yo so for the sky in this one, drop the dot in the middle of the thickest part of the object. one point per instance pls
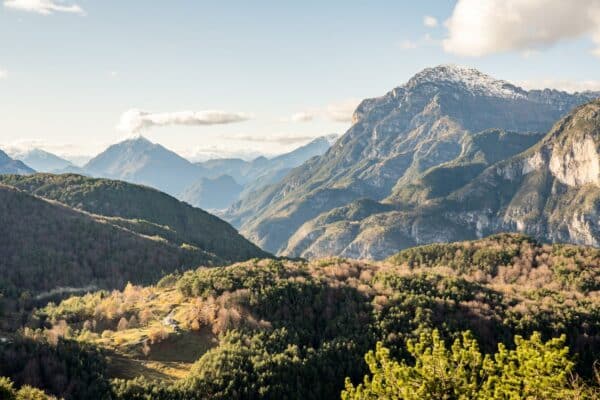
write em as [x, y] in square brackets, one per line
[240, 78]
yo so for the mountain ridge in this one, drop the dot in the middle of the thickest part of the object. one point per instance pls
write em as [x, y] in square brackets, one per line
[393, 138]
[154, 213]
[550, 191]
[10, 166]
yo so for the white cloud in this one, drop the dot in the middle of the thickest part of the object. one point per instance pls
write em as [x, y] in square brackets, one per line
[342, 111]
[133, 121]
[305, 116]
[429, 21]
[338, 112]
[481, 27]
[407, 44]
[3, 73]
[44, 7]
[566, 85]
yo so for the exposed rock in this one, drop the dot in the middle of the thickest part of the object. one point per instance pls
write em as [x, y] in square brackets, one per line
[390, 155]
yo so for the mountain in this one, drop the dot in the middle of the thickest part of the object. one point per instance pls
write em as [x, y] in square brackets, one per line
[140, 161]
[10, 166]
[43, 161]
[143, 210]
[245, 172]
[550, 191]
[227, 180]
[212, 193]
[394, 138]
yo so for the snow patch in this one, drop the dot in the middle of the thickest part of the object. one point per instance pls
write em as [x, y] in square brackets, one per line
[471, 79]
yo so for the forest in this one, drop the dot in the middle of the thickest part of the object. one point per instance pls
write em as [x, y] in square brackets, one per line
[473, 317]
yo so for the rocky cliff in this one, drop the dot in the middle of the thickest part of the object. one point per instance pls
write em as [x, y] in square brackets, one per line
[550, 191]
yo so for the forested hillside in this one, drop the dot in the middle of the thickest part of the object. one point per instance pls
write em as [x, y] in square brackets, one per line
[46, 247]
[293, 329]
[146, 210]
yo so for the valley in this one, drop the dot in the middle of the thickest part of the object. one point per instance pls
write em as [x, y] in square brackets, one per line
[317, 200]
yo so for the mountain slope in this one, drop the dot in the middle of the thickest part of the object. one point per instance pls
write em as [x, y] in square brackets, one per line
[394, 139]
[245, 172]
[141, 161]
[10, 166]
[215, 191]
[550, 191]
[43, 161]
[46, 246]
[212, 193]
[153, 212]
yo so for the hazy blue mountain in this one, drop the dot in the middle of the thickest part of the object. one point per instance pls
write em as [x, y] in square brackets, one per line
[227, 180]
[212, 193]
[140, 161]
[43, 161]
[393, 140]
[10, 166]
[246, 171]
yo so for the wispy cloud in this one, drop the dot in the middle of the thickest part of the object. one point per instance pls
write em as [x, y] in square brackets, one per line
[477, 28]
[44, 7]
[424, 41]
[429, 21]
[280, 139]
[134, 121]
[407, 44]
[304, 116]
[342, 111]
[566, 85]
[338, 112]
[21, 146]
[3, 73]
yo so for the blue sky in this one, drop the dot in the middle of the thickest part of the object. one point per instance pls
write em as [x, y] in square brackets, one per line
[69, 76]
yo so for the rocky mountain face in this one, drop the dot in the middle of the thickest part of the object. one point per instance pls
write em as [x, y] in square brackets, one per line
[10, 166]
[550, 191]
[353, 200]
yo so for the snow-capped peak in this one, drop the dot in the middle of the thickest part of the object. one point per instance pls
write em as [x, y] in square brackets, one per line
[470, 78]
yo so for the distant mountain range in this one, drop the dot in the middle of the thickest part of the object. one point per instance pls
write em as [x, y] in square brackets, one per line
[422, 142]
[235, 177]
[72, 231]
[213, 184]
[43, 161]
[11, 166]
